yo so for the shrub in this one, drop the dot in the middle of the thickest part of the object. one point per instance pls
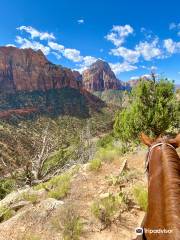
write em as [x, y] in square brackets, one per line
[6, 213]
[125, 177]
[6, 186]
[95, 164]
[108, 154]
[141, 196]
[106, 208]
[69, 223]
[31, 197]
[59, 186]
[40, 186]
[105, 141]
[153, 109]
[58, 158]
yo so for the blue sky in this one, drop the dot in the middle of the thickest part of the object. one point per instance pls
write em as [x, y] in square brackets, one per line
[135, 37]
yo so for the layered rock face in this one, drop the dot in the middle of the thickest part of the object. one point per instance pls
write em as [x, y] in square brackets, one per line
[100, 77]
[30, 84]
[27, 70]
[78, 77]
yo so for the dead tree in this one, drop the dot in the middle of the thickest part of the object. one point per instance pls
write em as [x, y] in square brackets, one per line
[86, 147]
[44, 147]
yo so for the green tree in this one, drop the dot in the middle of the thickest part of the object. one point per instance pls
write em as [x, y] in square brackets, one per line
[153, 109]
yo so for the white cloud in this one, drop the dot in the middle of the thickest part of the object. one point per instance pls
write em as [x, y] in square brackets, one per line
[80, 21]
[36, 34]
[56, 46]
[57, 55]
[58, 50]
[72, 54]
[142, 29]
[128, 55]
[143, 66]
[149, 50]
[151, 68]
[172, 26]
[26, 43]
[118, 34]
[171, 46]
[134, 77]
[175, 27]
[10, 45]
[148, 34]
[87, 61]
[69, 53]
[122, 67]
[147, 76]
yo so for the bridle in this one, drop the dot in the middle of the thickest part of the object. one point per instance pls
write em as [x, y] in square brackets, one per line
[148, 156]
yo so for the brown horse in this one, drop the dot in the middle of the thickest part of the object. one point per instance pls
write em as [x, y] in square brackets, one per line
[162, 221]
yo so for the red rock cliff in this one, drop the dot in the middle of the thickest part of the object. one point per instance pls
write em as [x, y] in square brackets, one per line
[28, 70]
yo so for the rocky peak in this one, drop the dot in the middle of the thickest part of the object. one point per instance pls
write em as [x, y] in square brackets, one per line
[100, 64]
[100, 77]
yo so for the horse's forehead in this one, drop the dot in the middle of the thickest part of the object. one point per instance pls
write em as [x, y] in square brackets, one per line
[154, 151]
[163, 139]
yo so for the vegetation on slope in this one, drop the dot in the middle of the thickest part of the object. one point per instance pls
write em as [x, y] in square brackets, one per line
[117, 98]
[53, 102]
[33, 150]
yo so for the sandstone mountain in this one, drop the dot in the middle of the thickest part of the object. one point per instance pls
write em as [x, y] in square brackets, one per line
[29, 83]
[100, 77]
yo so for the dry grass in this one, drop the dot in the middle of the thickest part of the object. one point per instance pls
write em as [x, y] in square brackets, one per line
[68, 222]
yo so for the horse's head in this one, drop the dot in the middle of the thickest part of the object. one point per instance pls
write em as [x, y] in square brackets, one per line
[154, 146]
[175, 142]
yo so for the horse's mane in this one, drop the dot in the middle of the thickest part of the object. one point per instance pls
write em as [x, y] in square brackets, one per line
[171, 174]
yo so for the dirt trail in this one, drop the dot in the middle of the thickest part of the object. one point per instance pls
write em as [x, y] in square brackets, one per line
[88, 186]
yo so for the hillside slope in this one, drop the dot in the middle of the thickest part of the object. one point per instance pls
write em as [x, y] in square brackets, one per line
[22, 139]
[41, 219]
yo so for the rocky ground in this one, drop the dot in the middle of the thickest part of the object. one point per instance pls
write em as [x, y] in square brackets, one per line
[37, 219]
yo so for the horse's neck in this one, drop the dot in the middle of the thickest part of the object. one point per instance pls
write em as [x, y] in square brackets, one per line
[158, 215]
[156, 203]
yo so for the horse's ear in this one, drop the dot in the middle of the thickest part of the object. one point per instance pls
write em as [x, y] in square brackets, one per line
[176, 141]
[146, 140]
